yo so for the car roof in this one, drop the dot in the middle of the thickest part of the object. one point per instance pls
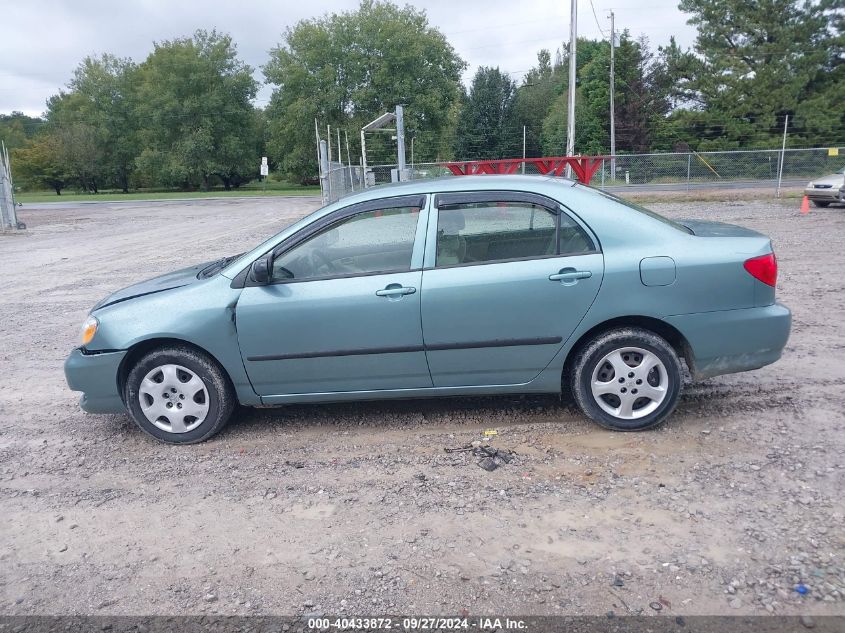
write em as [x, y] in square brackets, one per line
[462, 183]
[602, 214]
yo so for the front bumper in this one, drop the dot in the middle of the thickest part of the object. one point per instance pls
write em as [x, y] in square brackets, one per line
[95, 375]
[834, 194]
[729, 341]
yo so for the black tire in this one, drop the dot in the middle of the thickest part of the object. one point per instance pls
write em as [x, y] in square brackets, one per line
[821, 203]
[221, 399]
[590, 355]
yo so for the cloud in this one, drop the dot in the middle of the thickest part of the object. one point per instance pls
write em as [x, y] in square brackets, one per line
[44, 40]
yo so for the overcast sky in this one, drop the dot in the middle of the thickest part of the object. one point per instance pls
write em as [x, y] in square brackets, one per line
[44, 40]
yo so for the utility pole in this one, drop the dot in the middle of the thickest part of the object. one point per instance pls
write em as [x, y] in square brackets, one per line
[329, 140]
[523, 149]
[782, 153]
[329, 158]
[339, 149]
[570, 122]
[349, 161]
[363, 160]
[400, 140]
[612, 109]
[319, 158]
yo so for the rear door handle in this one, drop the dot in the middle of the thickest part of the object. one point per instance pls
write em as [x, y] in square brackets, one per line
[395, 290]
[570, 275]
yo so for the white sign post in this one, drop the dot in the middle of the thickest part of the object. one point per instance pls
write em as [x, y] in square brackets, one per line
[265, 171]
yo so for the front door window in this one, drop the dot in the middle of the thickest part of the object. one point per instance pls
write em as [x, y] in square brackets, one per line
[380, 241]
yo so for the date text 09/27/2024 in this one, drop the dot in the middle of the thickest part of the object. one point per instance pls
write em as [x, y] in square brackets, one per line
[417, 623]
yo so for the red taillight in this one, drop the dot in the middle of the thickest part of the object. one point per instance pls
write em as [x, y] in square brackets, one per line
[764, 268]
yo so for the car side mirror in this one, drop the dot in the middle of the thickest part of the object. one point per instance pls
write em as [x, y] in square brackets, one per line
[261, 269]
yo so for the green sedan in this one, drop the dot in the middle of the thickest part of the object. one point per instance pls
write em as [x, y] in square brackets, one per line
[457, 286]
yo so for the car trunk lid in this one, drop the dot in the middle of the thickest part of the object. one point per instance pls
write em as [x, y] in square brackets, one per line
[708, 228]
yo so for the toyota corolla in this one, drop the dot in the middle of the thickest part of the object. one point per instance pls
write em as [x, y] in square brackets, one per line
[457, 286]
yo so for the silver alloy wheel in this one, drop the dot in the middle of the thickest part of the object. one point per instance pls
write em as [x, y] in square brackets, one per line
[629, 383]
[173, 398]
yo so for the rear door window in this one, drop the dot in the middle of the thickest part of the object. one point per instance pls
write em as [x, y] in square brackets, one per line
[484, 232]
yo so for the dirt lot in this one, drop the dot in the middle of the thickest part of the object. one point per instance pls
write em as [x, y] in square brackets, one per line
[358, 509]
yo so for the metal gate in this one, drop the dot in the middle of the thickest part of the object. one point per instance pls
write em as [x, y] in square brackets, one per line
[8, 216]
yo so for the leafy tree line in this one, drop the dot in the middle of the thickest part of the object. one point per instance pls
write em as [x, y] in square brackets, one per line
[184, 117]
[497, 108]
[752, 64]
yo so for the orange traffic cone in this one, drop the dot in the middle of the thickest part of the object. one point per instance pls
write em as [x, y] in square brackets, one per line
[805, 205]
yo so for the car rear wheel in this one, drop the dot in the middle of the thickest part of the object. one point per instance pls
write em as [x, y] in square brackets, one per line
[821, 203]
[627, 379]
[179, 395]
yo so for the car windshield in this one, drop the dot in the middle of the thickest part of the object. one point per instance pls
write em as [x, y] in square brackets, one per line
[644, 211]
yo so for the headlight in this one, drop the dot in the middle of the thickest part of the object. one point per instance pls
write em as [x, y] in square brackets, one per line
[89, 329]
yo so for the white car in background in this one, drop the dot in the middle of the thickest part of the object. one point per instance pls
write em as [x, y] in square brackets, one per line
[827, 189]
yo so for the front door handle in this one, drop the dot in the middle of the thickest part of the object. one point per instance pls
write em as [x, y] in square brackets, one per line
[569, 276]
[395, 290]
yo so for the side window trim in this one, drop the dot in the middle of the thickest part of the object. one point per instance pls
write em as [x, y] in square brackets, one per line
[347, 212]
[442, 200]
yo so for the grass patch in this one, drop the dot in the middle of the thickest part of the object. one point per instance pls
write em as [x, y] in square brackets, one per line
[273, 189]
[709, 195]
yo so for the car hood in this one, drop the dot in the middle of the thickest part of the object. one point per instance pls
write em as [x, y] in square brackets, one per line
[708, 228]
[831, 179]
[168, 281]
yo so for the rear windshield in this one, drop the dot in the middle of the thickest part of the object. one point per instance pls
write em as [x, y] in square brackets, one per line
[644, 211]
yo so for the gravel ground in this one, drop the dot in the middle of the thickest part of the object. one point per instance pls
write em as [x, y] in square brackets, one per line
[357, 509]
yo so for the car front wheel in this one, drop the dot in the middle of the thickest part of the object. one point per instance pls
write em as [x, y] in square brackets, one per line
[179, 395]
[821, 203]
[627, 379]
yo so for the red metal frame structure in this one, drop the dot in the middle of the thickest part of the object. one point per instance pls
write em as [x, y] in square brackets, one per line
[584, 167]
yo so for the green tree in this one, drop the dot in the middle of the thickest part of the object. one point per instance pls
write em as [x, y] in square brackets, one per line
[37, 165]
[641, 99]
[642, 89]
[80, 151]
[590, 137]
[105, 87]
[487, 127]
[77, 141]
[755, 62]
[346, 69]
[93, 123]
[534, 99]
[16, 129]
[195, 114]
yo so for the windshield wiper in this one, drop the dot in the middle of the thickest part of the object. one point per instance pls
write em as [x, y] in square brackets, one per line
[216, 267]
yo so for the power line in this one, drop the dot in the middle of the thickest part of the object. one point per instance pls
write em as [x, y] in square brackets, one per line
[596, 18]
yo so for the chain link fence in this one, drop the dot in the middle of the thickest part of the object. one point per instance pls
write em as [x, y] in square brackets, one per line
[341, 180]
[677, 170]
[753, 166]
